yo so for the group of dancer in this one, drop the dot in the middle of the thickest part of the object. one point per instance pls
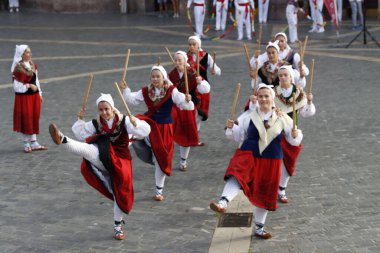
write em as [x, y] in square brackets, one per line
[177, 103]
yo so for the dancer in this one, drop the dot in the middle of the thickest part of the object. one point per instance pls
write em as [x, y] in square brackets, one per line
[256, 165]
[287, 54]
[185, 124]
[28, 98]
[268, 71]
[305, 107]
[160, 96]
[107, 162]
[205, 62]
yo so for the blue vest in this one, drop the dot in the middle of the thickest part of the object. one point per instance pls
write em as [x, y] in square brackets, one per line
[273, 150]
[164, 114]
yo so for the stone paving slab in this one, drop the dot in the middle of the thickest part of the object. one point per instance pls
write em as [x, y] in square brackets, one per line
[46, 206]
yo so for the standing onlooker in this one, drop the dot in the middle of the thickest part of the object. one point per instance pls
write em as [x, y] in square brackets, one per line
[14, 6]
[291, 16]
[163, 8]
[28, 99]
[339, 7]
[243, 17]
[175, 8]
[263, 11]
[356, 8]
[316, 7]
[221, 9]
[199, 15]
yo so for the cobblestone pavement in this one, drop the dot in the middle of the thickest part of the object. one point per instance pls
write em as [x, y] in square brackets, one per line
[46, 206]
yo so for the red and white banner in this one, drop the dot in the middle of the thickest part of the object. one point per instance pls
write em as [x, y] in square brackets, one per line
[331, 7]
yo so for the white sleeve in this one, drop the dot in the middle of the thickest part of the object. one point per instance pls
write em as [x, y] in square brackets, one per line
[189, 3]
[83, 130]
[133, 98]
[203, 87]
[289, 138]
[38, 83]
[211, 63]
[214, 2]
[239, 132]
[308, 110]
[141, 130]
[253, 106]
[20, 87]
[296, 61]
[180, 101]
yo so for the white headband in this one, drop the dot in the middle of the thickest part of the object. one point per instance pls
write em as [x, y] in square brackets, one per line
[163, 72]
[265, 86]
[183, 53]
[19, 51]
[290, 69]
[197, 39]
[274, 44]
[281, 34]
[105, 98]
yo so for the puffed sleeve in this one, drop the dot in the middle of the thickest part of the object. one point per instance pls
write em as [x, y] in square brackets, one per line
[210, 61]
[83, 130]
[20, 87]
[308, 110]
[203, 87]
[180, 101]
[141, 130]
[133, 98]
[288, 132]
[239, 132]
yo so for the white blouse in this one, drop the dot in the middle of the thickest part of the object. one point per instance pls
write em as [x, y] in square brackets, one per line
[83, 130]
[135, 98]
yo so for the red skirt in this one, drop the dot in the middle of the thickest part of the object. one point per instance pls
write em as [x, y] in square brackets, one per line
[205, 104]
[258, 177]
[161, 141]
[26, 113]
[122, 181]
[291, 154]
[185, 127]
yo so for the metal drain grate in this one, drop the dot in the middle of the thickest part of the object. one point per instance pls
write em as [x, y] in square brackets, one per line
[235, 220]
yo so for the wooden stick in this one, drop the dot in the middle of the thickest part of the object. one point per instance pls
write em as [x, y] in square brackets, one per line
[259, 38]
[255, 78]
[170, 54]
[85, 98]
[294, 111]
[301, 59]
[311, 76]
[213, 65]
[126, 64]
[186, 80]
[247, 56]
[237, 91]
[304, 47]
[125, 104]
[158, 60]
[197, 62]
